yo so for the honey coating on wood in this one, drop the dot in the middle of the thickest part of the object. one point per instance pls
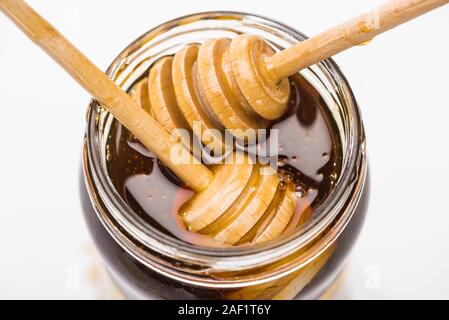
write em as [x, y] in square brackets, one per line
[309, 165]
[221, 85]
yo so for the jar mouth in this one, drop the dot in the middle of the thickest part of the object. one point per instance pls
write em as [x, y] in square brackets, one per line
[125, 223]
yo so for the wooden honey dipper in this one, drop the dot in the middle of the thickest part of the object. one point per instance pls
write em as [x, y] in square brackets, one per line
[242, 83]
[235, 202]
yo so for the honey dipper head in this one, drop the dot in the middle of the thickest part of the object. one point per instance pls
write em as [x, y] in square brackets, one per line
[224, 84]
[221, 84]
[265, 96]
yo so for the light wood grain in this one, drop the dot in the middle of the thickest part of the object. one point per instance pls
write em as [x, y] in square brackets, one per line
[278, 220]
[267, 98]
[115, 100]
[139, 93]
[356, 31]
[163, 98]
[221, 91]
[189, 100]
[250, 207]
[229, 183]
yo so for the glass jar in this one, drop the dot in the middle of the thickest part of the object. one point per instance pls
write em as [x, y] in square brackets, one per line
[146, 263]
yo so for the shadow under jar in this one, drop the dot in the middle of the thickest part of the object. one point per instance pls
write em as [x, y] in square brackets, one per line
[149, 257]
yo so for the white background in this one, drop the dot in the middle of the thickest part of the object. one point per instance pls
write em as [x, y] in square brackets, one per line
[401, 81]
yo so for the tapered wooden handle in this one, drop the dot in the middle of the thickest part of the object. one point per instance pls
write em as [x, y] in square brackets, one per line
[358, 30]
[109, 95]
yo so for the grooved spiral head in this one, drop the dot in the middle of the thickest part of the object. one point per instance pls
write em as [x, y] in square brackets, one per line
[223, 84]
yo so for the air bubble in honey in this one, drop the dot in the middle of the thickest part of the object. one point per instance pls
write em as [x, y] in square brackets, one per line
[333, 176]
[108, 153]
[282, 161]
[299, 192]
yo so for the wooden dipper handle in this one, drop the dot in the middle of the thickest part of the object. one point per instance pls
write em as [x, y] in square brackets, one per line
[118, 102]
[353, 32]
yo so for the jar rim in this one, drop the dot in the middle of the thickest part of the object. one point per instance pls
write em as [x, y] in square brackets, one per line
[230, 258]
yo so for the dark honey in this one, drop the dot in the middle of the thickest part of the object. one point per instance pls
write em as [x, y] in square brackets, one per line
[310, 156]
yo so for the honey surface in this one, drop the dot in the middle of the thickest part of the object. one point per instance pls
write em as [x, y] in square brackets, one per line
[309, 155]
